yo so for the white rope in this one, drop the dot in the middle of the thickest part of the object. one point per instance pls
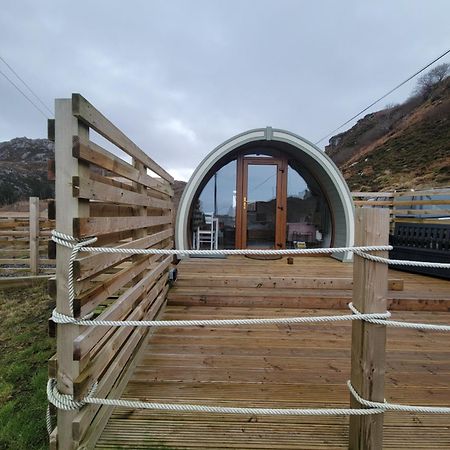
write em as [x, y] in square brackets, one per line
[48, 419]
[397, 324]
[66, 402]
[83, 245]
[401, 262]
[396, 406]
[62, 318]
[70, 242]
[76, 247]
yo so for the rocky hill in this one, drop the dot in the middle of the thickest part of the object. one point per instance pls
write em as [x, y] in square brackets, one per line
[23, 172]
[23, 169]
[402, 146]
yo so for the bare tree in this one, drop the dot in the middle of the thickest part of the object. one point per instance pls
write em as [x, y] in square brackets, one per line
[427, 81]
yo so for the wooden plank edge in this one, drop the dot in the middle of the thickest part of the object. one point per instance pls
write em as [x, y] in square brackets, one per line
[9, 282]
[82, 109]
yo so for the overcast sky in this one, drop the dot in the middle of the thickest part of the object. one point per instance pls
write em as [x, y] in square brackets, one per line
[180, 77]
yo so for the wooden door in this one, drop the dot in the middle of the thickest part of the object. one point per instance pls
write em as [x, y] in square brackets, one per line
[261, 202]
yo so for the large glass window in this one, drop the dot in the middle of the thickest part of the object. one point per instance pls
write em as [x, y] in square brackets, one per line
[308, 221]
[216, 200]
[304, 221]
[261, 206]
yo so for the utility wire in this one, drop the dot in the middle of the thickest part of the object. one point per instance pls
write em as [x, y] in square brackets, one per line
[384, 96]
[263, 182]
[26, 85]
[25, 95]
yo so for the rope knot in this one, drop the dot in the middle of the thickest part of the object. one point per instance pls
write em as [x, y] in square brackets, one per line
[71, 242]
[378, 318]
[66, 401]
[363, 401]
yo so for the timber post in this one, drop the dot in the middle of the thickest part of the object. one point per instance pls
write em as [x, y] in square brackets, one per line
[68, 127]
[370, 284]
[34, 235]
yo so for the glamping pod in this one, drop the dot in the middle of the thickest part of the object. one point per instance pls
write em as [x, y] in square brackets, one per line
[266, 188]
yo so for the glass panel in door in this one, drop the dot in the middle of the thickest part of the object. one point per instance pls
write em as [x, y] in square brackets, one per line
[261, 205]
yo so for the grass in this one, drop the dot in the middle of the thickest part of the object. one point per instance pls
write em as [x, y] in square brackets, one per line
[421, 151]
[24, 351]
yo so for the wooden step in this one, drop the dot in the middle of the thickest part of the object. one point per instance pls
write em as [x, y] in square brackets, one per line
[271, 281]
[298, 298]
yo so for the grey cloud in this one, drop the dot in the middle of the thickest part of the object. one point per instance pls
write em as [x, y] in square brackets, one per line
[179, 77]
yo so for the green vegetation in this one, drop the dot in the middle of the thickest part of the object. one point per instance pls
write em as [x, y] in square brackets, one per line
[419, 153]
[24, 351]
[402, 146]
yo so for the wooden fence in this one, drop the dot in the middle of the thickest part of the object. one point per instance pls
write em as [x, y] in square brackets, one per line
[422, 206]
[23, 241]
[124, 205]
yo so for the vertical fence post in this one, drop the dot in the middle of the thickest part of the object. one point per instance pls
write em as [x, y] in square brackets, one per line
[67, 128]
[34, 235]
[370, 280]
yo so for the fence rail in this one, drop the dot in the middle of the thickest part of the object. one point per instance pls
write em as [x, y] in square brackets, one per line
[124, 204]
[24, 240]
[430, 206]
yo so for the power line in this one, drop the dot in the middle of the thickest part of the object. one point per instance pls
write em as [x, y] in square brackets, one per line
[264, 182]
[25, 95]
[26, 85]
[384, 96]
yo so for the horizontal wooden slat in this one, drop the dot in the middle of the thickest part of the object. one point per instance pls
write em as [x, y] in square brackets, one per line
[272, 282]
[88, 301]
[373, 194]
[430, 192]
[86, 341]
[373, 202]
[100, 209]
[419, 212]
[102, 158]
[8, 253]
[88, 114]
[14, 214]
[14, 260]
[14, 233]
[93, 226]
[10, 282]
[422, 220]
[112, 181]
[107, 354]
[110, 386]
[421, 202]
[94, 190]
[89, 265]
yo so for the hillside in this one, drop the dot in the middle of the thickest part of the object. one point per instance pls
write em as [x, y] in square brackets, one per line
[23, 172]
[403, 146]
[23, 169]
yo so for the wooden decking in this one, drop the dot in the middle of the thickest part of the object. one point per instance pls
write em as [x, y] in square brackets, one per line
[280, 366]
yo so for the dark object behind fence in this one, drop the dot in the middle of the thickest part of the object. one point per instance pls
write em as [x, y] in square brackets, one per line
[421, 242]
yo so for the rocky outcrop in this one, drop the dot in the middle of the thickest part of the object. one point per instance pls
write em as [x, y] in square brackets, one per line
[402, 146]
[23, 169]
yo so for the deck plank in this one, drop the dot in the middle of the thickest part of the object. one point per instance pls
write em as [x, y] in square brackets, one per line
[280, 366]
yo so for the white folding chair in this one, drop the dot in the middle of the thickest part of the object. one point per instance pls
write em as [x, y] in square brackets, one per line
[208, 233]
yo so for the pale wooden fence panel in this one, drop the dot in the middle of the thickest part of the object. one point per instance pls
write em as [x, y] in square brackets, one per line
[24, 240]
[419, 206]
[123, 206]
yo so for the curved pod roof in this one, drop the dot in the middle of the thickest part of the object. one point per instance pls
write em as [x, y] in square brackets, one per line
[316, 162]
